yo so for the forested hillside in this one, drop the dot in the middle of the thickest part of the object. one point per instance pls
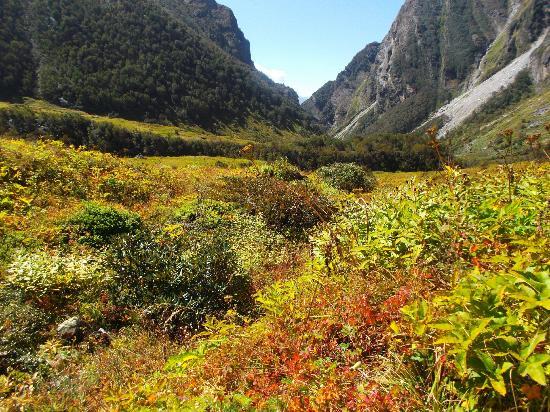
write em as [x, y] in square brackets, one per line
[215, 21]
[17, 66]
[136, 60]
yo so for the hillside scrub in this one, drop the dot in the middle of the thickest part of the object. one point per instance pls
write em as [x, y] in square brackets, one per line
[37, 119]
[251, 292]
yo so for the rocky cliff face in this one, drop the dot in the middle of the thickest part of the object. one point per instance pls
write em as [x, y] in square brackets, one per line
[214, 21]
[435, 51]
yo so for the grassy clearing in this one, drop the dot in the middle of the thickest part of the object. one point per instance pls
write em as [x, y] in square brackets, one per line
[193, 162]
[158, 129]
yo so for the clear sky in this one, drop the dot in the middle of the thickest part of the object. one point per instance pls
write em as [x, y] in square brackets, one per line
[305, 43]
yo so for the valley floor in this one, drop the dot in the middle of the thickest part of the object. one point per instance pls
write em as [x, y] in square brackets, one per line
[206, 283]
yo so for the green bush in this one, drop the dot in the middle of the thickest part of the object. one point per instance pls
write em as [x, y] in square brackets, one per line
[54, 277]
[177, 281]
[493, 327]
[204, 214]
[282, 169]
[22, 329]
[348, 177]
[253, 242]
[97, 225]
[288, 207]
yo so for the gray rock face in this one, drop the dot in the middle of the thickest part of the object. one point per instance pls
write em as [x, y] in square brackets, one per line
[435, 51]
[214, 21]
[70, 329]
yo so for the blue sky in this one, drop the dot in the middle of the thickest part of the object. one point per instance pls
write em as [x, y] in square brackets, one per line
[305, 43]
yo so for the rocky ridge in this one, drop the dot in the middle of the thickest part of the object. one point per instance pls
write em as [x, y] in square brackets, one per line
[435, 51]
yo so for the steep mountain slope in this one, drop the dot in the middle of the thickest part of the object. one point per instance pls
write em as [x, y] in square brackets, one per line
[141, 59]
[435, 51]
[214, 21]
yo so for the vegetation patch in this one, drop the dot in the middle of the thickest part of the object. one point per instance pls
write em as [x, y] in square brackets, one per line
[348, 177]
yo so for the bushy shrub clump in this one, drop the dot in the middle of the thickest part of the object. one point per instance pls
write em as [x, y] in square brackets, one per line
[96, 225]
[205, 214]
[288, 207]
[348, 177]
[54, 276]
[177, 281]
[22, 328]
[282, 169]
[254, 243]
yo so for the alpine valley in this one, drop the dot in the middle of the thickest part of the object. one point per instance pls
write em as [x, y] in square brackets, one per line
[179, 233]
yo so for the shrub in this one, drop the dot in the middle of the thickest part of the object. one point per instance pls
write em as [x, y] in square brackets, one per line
[254, 244]
[204, 214]
[492, 328]
[22, 328]
[55, 277]
[289, 207]
[177, 280]
[96, 225]
[282, 169]
[348, 177]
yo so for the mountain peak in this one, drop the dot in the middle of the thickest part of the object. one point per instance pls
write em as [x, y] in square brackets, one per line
[435, 51]
[214, 21]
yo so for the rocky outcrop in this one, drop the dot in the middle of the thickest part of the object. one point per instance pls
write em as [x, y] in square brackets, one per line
[332, 102]
[214, 21]
[435, 51]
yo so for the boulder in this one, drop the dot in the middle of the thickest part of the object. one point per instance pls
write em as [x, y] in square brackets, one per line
[71, 329]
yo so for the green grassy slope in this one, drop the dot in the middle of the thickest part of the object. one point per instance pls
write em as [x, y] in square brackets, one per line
[479, 142]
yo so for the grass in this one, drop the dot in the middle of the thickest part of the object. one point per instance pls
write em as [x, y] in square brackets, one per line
[196, 162]
[255, 131]
[158, 129]
[494, 55]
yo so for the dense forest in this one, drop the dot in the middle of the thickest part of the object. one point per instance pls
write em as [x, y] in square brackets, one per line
[17, 71]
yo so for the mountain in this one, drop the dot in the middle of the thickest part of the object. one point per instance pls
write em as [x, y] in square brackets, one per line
[436, 51]
[214, 21]
[163, 60]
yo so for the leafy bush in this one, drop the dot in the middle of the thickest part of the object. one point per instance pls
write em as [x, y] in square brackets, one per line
[254, 243]
[492, 327]
[348, 177]
[289, 207]
[96, 225]
[412, 226]
[204, 214]
[22, 328]
[177, 280]
[54, 277]
[282, 169]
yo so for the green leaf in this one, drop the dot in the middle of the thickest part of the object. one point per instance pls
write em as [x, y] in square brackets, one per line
[528, 349]
[461, 362]
[448, 339]
[534, 368]
[498, 385]
[442, 326]
[487, 361]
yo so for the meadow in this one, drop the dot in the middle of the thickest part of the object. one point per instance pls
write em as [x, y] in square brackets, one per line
[227, 284]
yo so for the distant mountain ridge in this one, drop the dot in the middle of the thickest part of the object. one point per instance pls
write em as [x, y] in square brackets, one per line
[160, 60]
[436, 50]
